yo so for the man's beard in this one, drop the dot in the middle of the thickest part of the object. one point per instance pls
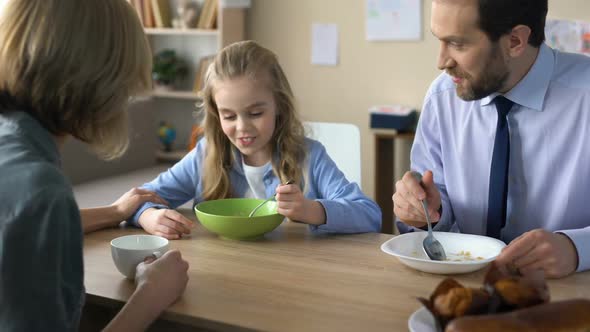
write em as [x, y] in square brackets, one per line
[491, 80]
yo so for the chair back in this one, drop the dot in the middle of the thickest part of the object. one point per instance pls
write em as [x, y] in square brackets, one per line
[343, 144]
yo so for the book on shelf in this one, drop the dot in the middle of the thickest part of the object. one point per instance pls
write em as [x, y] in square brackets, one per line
[201, 71]
[162, 16]
[202, 15]
[138, 6]
[212, 18]
[208, 16]
[148, 14]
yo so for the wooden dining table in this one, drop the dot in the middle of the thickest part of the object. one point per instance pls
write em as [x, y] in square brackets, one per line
[290, 280]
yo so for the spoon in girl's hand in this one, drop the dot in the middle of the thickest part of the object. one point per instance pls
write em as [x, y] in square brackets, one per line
[266, 200]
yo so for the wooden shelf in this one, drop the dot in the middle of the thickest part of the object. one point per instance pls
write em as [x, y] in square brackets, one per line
[189, 95]
[172, 156]
[180, 32]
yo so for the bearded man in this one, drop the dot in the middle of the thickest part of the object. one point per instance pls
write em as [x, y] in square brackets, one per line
[502, 140]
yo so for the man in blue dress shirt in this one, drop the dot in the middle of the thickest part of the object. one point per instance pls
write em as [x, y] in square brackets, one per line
[490, 48]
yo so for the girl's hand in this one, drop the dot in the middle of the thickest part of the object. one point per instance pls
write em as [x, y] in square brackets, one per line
[292, 204]
[165, 222]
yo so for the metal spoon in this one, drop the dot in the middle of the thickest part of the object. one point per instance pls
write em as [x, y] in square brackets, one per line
[431, 246]
[267, 200]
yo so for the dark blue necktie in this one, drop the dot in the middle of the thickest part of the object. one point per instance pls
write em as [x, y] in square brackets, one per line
[499, 171]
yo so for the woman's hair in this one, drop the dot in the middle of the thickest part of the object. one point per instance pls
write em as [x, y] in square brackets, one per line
[73, 65]
[241, 59]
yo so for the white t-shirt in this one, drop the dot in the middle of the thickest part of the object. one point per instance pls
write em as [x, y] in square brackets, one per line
[255, 177]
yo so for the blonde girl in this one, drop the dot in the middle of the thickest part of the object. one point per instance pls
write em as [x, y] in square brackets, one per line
[254, 142]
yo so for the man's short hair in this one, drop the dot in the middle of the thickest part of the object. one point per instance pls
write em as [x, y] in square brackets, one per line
[498, 17]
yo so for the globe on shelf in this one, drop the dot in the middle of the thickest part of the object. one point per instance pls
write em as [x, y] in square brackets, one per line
[167, 135]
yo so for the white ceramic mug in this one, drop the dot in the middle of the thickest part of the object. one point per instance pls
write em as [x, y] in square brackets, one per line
[130, 250]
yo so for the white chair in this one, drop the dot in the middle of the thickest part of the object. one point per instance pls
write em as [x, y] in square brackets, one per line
[343, 144]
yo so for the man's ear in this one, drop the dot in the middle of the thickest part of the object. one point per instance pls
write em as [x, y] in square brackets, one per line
[519, 39]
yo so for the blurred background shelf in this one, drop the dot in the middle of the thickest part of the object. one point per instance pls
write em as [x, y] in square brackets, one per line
[194, 41]
[188, 95]
[171, 156]
[180, 32]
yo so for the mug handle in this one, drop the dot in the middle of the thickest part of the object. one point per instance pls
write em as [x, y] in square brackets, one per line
[155, 255]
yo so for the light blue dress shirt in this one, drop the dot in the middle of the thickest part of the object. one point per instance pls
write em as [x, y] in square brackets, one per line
[348, 210]
[549, 172]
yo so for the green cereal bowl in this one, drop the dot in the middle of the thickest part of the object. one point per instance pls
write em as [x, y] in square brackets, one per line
[228, 218]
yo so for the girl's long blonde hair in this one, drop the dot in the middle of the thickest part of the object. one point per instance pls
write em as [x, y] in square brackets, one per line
[247, 58]
[73, 66]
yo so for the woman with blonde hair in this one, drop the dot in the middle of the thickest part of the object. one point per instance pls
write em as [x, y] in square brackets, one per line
[254, 143]
[67, 68]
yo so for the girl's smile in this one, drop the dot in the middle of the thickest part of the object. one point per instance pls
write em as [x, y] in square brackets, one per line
[246, 141]
[247, 114]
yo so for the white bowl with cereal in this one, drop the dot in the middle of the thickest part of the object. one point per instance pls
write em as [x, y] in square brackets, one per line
[465, 252]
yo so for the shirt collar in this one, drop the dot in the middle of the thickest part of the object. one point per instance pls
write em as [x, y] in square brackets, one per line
[239, 162]
[29, 127]
[531, 90]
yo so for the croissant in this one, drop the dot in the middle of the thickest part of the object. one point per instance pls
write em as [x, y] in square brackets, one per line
[510, 290]
[451, 300]
[568, 315]
[504, 290]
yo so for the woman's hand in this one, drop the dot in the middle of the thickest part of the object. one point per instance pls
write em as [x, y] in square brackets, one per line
[165, 222]
[163, 279]
[127, 204]
[109, 216]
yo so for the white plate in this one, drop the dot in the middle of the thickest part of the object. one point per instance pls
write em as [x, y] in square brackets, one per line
[465, 252]
[422, 321]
